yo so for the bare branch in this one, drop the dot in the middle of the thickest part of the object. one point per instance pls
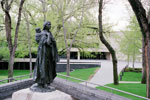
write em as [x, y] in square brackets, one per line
[2, 5]
[18, 24]
[77, 29]
[9, 5]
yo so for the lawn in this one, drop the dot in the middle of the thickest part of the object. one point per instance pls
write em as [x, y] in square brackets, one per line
[132, 76]
[83, 74]
[4, 74]
[135, 88]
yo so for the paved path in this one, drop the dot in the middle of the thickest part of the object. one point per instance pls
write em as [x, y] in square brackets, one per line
[105, 74]
[129, 82]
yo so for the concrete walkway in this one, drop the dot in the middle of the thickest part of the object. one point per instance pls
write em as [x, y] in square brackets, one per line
[105, 74]
[129, 82]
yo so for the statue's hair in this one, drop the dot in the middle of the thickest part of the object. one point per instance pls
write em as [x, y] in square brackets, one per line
[45, 23]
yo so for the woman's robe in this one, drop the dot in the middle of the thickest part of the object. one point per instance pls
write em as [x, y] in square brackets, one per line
[47, 56]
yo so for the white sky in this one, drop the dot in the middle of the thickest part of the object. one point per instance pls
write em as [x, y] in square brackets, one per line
[116, 11]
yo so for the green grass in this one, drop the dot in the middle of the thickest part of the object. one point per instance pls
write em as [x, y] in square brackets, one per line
[4, 74]
[132, 76]
[83, 74]
[135, 88]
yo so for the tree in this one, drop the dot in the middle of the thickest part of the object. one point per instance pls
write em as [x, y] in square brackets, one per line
[109, 47]
[71, 43]
[147, 7]
[130, 44]
[29, 40]
[145, 30]
[44, 9]
[68, 14]
[6, 6]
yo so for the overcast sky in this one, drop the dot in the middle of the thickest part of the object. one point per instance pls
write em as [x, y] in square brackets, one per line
[117, 13]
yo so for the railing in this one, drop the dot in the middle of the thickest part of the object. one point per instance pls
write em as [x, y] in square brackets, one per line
[15, 78]
[122, 72]
[86, 83]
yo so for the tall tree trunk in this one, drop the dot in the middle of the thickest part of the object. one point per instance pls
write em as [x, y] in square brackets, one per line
[69, 47]
[143, 81]
[10, 67]
[29, 41]
[147, 71]
[12, 47]
[44, 9]
[128, 59]
[109, 47]
[133, 60]
[68, 62]
[144, 25]
[148, 56]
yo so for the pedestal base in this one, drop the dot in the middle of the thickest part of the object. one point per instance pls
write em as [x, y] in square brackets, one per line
[36, 88]
[27, 94]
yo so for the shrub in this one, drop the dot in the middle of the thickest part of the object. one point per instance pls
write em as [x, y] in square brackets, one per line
[4, 53]
[133, 69]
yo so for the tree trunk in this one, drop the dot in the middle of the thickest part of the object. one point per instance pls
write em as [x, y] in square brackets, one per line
[68, 62]
[30, 60]
[148, 67]
[143, 81]
[133, 60]
[69, 47]
[44, 9]
[12, 47]
[144, 25]
[10, 67]
[29, 41]
[109, 47]
[128, 59]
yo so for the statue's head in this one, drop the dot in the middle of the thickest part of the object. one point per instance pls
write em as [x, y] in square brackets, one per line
[38, 30]
[47, 25]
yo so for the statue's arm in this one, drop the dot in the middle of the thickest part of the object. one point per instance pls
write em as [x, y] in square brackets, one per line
[49, 42]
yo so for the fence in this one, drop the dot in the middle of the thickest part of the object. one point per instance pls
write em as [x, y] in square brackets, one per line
[15, 78]
[122, 72]
[113, 89]
[86, 83]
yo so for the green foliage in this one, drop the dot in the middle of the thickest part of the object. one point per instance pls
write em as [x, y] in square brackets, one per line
[88, 54]
[133, 69]
[4, 53]
[56, 11]
[131, 42]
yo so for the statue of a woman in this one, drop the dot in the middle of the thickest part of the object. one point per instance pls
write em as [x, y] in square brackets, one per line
[47, 56]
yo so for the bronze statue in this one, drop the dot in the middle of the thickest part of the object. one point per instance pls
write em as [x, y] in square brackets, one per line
[47, 56]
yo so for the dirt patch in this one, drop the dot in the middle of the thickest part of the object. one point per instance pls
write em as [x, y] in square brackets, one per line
[91, 76]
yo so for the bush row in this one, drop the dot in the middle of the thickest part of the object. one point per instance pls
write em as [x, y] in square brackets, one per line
[133, 69]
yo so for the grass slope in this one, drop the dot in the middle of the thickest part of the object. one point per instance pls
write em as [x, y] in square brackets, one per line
[84, 74]
[4, 73]
[132, 76]
[139, 89]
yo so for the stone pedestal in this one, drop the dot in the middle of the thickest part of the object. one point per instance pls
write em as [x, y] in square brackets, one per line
[27, 94]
